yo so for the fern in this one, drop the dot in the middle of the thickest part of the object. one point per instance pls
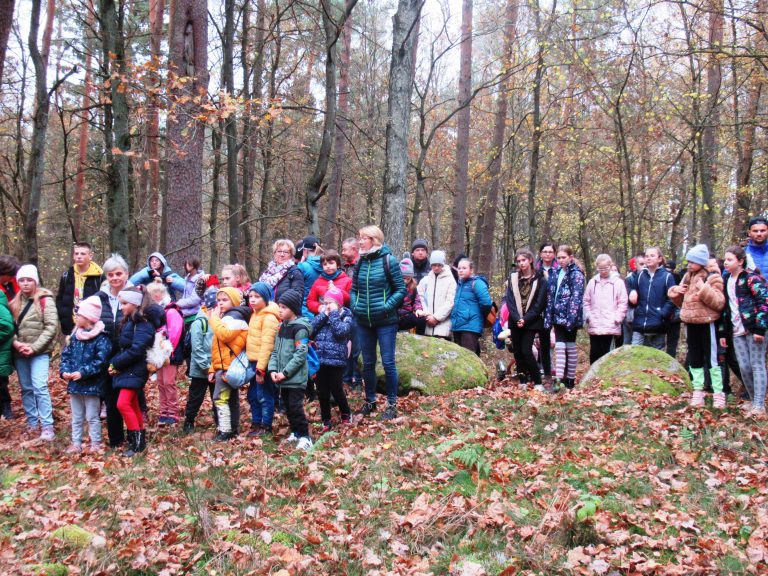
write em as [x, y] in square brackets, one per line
[473, 456]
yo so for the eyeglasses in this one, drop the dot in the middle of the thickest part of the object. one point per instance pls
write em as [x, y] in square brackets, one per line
[282, 251]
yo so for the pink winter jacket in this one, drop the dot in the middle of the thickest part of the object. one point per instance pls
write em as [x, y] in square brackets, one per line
[605, 305]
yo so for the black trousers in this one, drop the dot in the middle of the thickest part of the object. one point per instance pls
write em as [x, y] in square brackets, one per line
[600, 345]
[412, 321]
[468, 340]
[5, 395]
[545, 351]
[196, 397]
[293, 399]
[522, 344]
[329, 381]
[673, 338]
[115, 426]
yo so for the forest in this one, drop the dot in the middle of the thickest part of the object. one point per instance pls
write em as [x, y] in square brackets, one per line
[213, 128]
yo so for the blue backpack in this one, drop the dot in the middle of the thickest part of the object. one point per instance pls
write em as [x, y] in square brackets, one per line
[313, 360]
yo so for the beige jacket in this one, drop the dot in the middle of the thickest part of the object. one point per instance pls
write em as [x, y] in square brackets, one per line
[705, 298]
[437, 294]
[40, 324]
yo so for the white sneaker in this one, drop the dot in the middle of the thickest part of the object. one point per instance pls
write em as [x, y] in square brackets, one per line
[48, 435]
[292, 439]
[539, 388]
[305, 443]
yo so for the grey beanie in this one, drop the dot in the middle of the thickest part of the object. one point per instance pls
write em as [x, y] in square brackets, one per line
[699, 254]
[437, 257]
[419, 243]
[406, 267]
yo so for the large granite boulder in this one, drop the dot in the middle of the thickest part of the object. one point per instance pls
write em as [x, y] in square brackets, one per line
[433, 366]
[640, 368]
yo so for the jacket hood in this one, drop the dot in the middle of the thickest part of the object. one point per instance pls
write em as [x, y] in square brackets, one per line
[271, 308]
[314, 262]
[333, 276]
[162, 259]
[242, 312]
[155, 315]
[93, 270]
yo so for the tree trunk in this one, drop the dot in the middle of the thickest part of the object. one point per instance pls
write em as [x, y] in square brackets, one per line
[393, 213]
[50, 16]
[459, 216]
[82, 149]
[536, 136]
[188, 59]
[247, 153]
[6, 23]
[151, 172]
[213, 216]
[331, 230]
[230, 131]
[483, 251]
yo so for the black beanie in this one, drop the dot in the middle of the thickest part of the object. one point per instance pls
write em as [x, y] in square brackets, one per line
[293, 300]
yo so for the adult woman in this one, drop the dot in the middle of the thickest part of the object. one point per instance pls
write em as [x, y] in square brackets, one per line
[605, 305]
[281, 273]
[548, 266]
[564, 313]
[377, 292]
[746, 319]
[470, 306]
[37, 322]
[526, 300]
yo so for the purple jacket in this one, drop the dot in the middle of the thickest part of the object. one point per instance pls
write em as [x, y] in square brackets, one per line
[190, 302]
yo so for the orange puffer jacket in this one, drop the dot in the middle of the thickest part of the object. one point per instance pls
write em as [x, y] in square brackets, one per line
[262, 330]
[704, 300]
[229, 337]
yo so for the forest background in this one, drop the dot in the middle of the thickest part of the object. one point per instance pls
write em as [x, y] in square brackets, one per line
[213, 128]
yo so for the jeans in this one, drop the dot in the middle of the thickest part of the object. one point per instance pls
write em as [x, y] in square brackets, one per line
[751, 357]
[261, 397]
[658, 341]
[352, 374]
[385, 336]
[85, 409]
[35, 397]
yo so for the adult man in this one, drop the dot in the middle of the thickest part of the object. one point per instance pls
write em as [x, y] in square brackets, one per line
[419, 253]
[653, 308]
[83, 279]
[350, 252]
[757, 247]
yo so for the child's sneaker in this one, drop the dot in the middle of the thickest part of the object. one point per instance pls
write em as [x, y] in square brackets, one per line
[697, 400]
[390, 413]
[367, 409]
[255, 432]
[47, 435]
[74, 449]
[304, 443]
[96, 448]
[757, 412]
[718, 400]
[292, 439]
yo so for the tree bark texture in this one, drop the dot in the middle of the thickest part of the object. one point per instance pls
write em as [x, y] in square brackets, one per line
[84, 129]
[6, 23]
[188, 60]
[393, 212]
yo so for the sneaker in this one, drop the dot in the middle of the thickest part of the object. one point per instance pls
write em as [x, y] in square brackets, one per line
[74, 449]
[757, 412]
[367, 409]
[327, 426]
[746, 405]
[390, 413]
[47, 435]
[188, 428]
[292, 439]
[224, 436]
[539, 387]
[96, 448]
[255, 431]
[718, 401]
[304, 443]
[697, 400]
[346, 418]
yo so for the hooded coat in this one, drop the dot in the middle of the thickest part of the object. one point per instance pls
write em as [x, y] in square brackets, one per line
[87, 352]
[190, 301]
[145, 276]
[376, 294]
[437, 294]
[65, 297]
[331, 333]
[705, 299]
[290, 354]
[565, 301]
[230, 333]
[471, 305]
[320, 287]
[40, 324]
[605, 305]
[311, 269]
[136, 337]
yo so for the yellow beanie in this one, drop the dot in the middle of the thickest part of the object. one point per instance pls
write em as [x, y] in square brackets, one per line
[234, 294]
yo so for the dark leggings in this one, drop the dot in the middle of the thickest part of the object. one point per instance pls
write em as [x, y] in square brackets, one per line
[293, 400]
[5, 395]
[522, 344]
[329, 381]
[545, 351]
[599, 346]
[468, 340]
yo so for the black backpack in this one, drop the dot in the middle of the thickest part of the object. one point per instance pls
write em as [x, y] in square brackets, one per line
[187, 346]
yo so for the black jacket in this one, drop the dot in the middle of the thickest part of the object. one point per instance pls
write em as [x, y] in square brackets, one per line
[131, 359]
[534, 315]
[65, 297]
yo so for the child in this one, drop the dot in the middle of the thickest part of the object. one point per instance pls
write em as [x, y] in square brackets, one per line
[745, 318]
[37, 321]
[229, 322]
[700, 298]
[261, 341]
[472, 303]
[288, 365]
[128, 367]
[331, 330]
[166, 375]
[330, 276]
[201, 338]
[407, 318]
[84, 363]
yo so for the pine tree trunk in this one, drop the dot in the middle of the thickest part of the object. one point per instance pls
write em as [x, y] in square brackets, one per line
[230, 132]
[84, 129]
[6, 23]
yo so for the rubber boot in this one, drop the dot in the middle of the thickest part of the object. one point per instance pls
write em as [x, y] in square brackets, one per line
[141, 440]
[131, 444]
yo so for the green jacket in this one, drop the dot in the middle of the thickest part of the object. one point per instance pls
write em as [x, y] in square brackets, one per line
[40, 324]
[6, 337]
[290, 353]
[376, 294]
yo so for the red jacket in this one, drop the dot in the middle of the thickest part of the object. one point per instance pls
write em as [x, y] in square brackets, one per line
[320, 287]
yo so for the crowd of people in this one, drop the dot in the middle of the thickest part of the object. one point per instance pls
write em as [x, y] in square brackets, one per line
[299, 330]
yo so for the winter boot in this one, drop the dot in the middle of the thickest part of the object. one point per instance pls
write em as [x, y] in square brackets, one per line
[131, 443]
[697, 400]
[225, 422]
[141, 440]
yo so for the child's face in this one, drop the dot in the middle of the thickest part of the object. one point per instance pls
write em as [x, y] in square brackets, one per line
[224, 302]
[330, 266]
[464, 270]
[731, 263]
[693, 267]
[127, 308]
[155, 263]
[83, 322]
[286, 314]
[256, 301]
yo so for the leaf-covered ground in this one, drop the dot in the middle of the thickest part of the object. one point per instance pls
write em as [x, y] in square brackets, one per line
[486, 481]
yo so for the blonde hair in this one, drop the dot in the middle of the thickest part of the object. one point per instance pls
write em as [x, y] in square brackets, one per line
[373, 232]
[284, 242]
[239, 272]
[153, 287]
[603, 258]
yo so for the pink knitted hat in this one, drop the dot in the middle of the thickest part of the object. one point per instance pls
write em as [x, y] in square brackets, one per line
[335, 294]
[90, 308]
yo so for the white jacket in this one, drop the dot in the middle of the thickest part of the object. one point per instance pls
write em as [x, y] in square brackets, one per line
[437, 294]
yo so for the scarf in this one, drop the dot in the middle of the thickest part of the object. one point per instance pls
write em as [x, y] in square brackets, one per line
[275, 272]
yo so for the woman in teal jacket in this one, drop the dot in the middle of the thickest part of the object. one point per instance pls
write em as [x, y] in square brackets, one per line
[6, 356]
[378, 290]
[470, 307]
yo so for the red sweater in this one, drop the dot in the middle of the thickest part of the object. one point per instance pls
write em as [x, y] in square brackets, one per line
[320, 287]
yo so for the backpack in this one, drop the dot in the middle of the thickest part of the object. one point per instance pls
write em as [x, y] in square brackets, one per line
[177, 357]
[490, 317]
[313, 360]
[387, 271]
[187, 341]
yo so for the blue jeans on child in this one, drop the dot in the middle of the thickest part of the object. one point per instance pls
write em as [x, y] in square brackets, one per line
[261, 397]
[35, 396]
[385, 337]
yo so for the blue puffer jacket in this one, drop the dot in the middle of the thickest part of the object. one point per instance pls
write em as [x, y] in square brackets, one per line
[565, 304]
[87, 353]
[311, 270]
[145, 276]
[331, 333]
[759, 254]
[376, 296]
[470, 305]
[654, 308]
[131, 361]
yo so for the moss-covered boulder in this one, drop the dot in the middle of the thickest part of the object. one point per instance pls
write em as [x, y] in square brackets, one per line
[78, 537]
[640, 368]
[433, 366]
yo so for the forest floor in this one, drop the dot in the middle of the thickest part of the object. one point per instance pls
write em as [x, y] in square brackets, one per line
[484, 481]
